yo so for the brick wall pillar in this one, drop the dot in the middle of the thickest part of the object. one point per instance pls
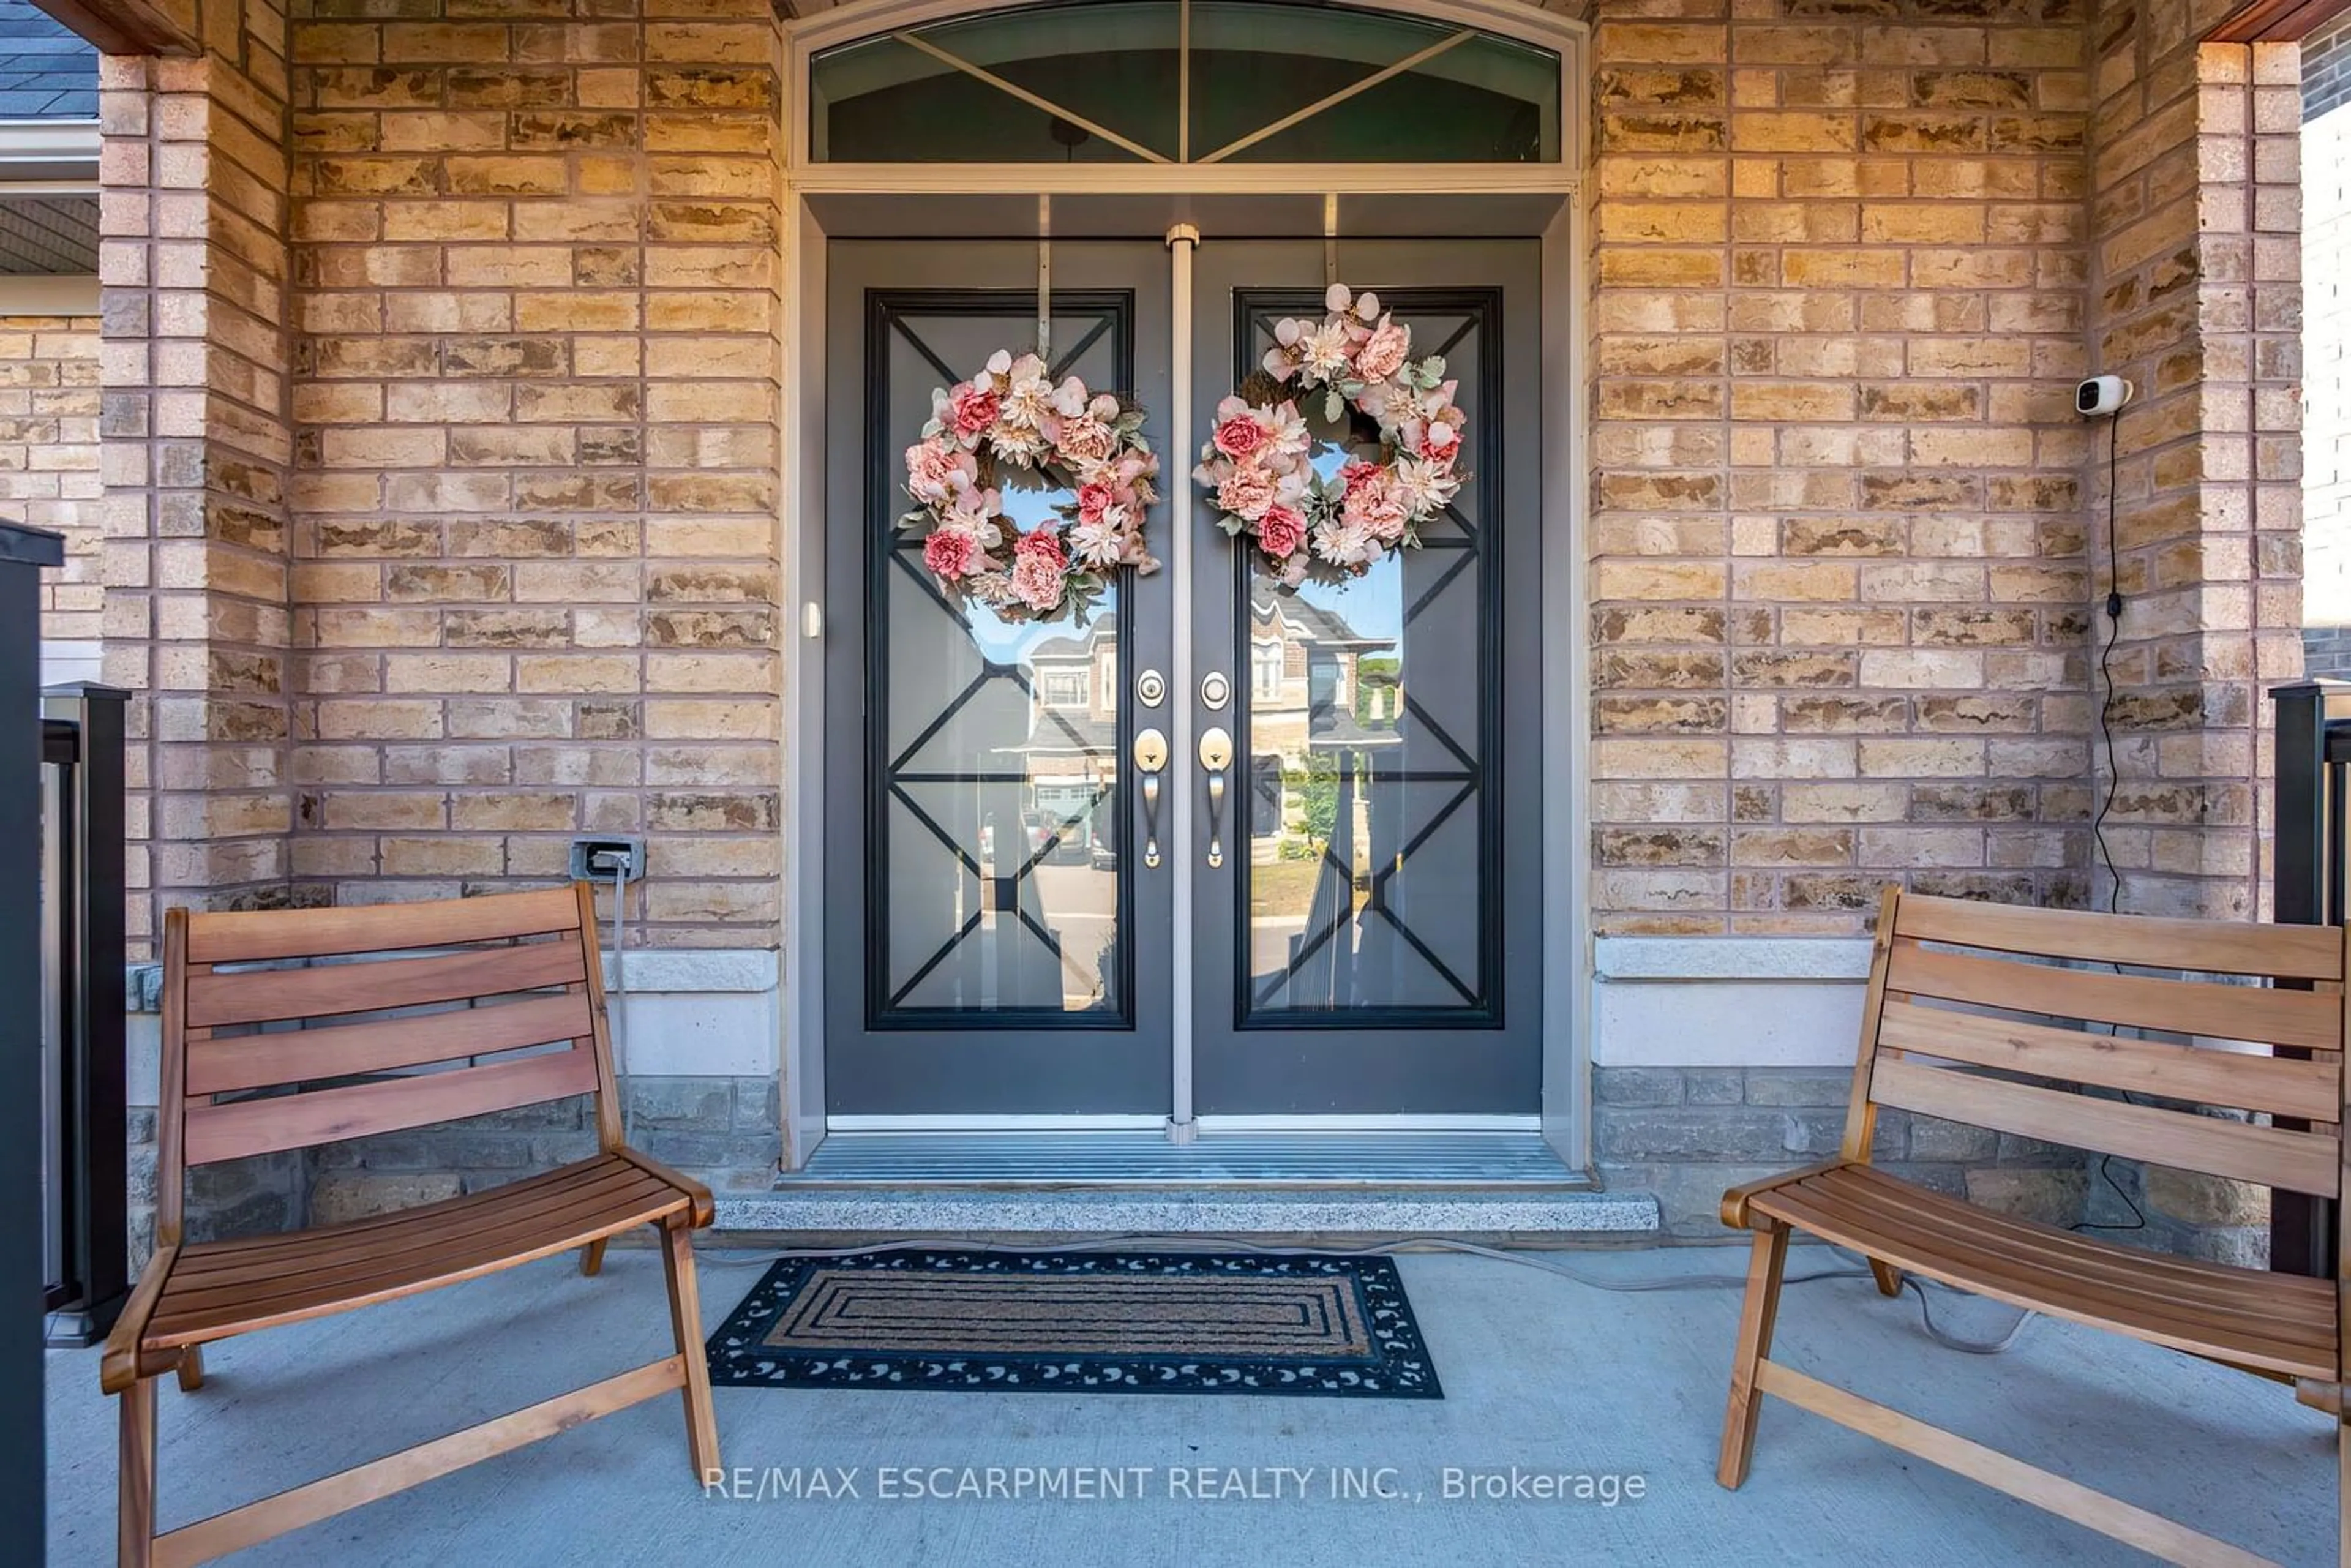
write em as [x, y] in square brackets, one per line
[1837, 520]
[2196, 302]
[193, 262]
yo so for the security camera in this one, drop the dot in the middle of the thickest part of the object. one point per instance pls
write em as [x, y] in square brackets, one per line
[2101, 394]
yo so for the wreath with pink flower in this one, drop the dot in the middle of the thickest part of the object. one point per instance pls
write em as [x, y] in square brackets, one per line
[1010, 425]
[1257, 464]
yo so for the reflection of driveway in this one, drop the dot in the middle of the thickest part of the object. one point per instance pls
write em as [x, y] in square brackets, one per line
[1077, 891]
[1081, 904]
[1270, 939]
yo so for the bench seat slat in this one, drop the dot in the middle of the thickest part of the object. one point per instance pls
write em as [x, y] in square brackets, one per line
[359, 1265]
[270, 996]
[2286, 952]
[2297, 1341]
[2183, 1286]
[276, 1248]
[356, 1110]
[450, 1219]
[2311, 1089]
[242, 936]
[2301, 1162]
[184, 1316]
[2307, 1019]
[218, 1066]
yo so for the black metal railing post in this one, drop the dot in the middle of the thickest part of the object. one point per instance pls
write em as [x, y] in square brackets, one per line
[2313, 730]
[24, 1512]
[82, 729]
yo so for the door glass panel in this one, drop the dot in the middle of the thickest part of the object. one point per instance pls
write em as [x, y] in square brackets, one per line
[964, 90]
[1368, 716]
[995, 888]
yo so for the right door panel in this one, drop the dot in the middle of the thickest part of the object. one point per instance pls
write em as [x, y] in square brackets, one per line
[1371, 943]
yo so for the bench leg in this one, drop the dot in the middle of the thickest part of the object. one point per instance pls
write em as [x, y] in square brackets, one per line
[1765, 1264]
[1889, 1278]
[686, 1323]
[135, 1487]
[592, 1257]
[192, 1369]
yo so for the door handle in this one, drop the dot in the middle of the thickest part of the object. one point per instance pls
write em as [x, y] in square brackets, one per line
[1216, 756]
[1150, 757]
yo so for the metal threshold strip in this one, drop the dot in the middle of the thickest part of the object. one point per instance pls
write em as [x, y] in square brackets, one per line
[1323, 1160]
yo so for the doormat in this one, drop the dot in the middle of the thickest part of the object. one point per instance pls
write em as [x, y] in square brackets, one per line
[1079, 1323]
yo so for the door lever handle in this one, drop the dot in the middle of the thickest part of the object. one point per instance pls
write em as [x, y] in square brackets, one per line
[1150, 819]
[1216, 756]
[1150, 757]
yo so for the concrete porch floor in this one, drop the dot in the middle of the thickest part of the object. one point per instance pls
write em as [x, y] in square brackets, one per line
[1539, 1371]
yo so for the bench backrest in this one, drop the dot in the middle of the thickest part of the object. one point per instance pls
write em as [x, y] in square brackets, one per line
[260, 1007]
[1954, 991]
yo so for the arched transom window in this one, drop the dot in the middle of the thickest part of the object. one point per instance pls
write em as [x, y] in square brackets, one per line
[1186, 82]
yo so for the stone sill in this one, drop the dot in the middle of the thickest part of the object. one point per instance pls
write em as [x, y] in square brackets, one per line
[1618, 960]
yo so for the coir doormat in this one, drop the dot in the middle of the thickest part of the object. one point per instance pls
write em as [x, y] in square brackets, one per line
[1094, 1323]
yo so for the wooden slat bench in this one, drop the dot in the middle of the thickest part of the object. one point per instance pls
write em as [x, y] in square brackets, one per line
[509, 1003]
[1953, 1027]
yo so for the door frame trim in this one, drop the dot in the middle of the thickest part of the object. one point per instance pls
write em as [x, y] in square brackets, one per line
[1567, 948]
[1567, 943]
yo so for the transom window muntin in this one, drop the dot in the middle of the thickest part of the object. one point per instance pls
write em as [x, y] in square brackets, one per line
[1186, 82]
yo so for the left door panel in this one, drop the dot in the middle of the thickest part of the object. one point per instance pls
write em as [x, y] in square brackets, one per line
[993, 947]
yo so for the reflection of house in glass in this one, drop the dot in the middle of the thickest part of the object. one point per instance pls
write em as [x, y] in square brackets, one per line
[1070, 752]
[1363, 870]
[1320, 695]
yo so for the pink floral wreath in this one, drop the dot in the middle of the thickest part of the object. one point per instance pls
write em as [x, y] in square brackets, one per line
[1257, 462]
[1012, 419]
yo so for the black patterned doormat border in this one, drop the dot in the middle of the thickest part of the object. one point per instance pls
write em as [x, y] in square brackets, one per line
[1079, 1323]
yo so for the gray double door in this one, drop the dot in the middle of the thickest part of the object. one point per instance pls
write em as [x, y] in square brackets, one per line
[1369, 941]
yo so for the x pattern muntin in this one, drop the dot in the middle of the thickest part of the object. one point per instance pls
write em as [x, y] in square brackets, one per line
[1467, 777]
[903, 776]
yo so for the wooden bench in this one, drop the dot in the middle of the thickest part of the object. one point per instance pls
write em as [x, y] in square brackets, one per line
[511, 996]
[1949, 1030]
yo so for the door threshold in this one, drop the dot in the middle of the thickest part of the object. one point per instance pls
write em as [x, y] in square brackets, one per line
[1325, 1160]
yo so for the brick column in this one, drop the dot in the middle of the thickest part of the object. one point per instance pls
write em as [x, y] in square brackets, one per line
[535, 500]
[2196, 302]
[1836, 532]
[193, 262]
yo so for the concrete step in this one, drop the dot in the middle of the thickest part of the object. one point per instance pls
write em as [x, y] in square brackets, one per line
[1520, 1215]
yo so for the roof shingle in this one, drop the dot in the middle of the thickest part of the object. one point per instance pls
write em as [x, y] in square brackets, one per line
[45, 71]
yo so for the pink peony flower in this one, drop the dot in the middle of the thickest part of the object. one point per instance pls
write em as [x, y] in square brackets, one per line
[1037, 581]
[1281, 532]
[1440, 442]
[1382, 353]
[1041, 544]
[1358, 476]
[1246, 493]
[972, 408]
[1239, 435]
[1094, 500]
[950, 553]
[936, 469]
[1086, 441]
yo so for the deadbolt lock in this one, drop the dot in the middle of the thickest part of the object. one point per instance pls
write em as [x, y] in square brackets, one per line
[1150, 688]
[1216, 690]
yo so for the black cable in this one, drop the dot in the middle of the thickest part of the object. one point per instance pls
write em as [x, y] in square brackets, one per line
[2106, 674]
[2106, 1175]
